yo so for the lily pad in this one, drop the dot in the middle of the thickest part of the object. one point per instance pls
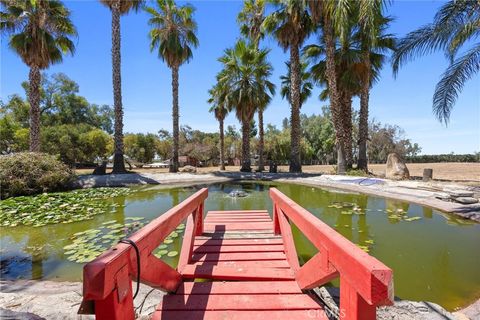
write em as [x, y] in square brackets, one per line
[172, 254]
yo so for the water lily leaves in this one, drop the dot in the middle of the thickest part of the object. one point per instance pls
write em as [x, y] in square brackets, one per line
[168, 241]
[412, 218]
[181, 227]
[172, 254]
[89, 244]
[59, 207]
[173, 235]
[162, 246]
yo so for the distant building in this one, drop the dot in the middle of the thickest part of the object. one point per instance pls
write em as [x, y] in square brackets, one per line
[187, 161]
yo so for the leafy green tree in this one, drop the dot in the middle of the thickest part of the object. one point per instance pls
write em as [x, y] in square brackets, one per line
[8, 127]
[41, 33]
[173, 33]
[246, 72]
[141, 147]
[79, 143]
[290, 24]
[455, 28]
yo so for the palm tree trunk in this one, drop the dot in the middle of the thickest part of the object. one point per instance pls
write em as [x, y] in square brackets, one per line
[34, 99]
[347, 128]
[118, 161]
[334, 93]
[245, 147]
[363, 121]
[295, 155]
[175, 116]
[222, 146]
[261, 142]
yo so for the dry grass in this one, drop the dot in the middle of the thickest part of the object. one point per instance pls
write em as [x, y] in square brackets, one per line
[454, 171]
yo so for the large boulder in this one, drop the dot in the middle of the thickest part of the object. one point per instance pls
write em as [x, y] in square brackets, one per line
[189, 169]
[396, 168]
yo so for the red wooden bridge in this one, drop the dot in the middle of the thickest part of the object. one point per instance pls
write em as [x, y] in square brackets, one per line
[250, 260]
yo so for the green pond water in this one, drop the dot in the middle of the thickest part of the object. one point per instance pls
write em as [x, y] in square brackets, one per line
[434, 258]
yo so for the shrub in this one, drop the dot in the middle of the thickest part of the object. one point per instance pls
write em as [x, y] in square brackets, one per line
[26, 173]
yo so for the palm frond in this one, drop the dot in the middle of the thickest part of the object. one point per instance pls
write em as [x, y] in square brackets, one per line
[452, 82]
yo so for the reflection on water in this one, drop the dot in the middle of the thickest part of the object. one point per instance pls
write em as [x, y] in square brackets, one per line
[435, 258]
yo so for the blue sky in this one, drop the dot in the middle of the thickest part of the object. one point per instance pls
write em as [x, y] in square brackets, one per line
[405, 101]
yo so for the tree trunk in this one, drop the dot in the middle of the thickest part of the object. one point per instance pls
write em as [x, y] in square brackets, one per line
[34, 99]
[347, 128]
[336, 111]
[175, 116]
[118, 161]
[261, 164]
[222, 146]
[245, 147]
[363, 121]
[295, 147]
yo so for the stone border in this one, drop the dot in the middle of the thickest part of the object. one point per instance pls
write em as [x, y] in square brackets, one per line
[33, 300]
[418, 192]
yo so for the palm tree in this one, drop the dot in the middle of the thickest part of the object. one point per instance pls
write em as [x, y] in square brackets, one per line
[456, 23]
[372, 23]
[118, 8]
[219, 107]
[245, 73]
[350, 72]
[306, 86]
[331, 16]
[290, 24]
[40, 33]
[251, 19]
[173, 34]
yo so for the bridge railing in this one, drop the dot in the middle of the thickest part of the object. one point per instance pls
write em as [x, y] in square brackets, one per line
[365, 282]
[107, 280]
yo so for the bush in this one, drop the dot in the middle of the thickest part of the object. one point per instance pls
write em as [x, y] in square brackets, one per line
[26, 173]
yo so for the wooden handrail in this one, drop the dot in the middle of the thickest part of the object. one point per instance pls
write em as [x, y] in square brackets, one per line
[365, 282]
[107, 286]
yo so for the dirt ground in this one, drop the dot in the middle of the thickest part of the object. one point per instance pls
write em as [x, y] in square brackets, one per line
[452, 171]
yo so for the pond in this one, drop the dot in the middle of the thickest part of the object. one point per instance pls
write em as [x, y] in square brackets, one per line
[434, 255]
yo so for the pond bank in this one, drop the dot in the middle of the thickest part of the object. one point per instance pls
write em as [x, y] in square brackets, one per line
[422, 193]
[33, 300]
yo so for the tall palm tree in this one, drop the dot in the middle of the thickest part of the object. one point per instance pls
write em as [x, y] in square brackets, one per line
[118, 8]
[174, 35]
[251, 19]
[371, 23]
[329, 16]
[350, 71]
[219, 107]
[245, 73]
[454, 26]
[40, 33]
[306, 86]
[290, 24]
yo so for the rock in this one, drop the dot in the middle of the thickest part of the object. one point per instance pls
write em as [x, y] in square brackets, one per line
[442, 196]
[189, 169]
[466, 200]
[101, 169]
[460, 193]
[396, 168]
